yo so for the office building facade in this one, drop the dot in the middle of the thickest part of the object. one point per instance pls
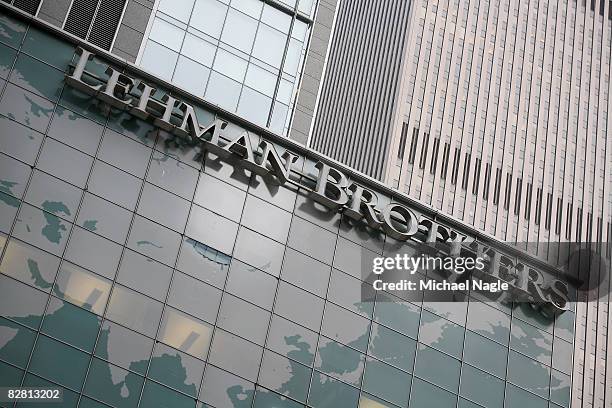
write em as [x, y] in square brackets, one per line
[141, 266]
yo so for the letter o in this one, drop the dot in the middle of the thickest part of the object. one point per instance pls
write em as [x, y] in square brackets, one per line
[409, 219]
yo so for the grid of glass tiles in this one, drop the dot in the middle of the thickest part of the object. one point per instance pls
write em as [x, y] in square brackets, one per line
[131, 274]
[244, 55]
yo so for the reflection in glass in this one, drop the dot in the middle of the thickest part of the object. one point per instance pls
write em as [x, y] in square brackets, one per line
[82, 288]
[29, 264]
[175, 369]
[387, 382]
[222, 389]
[203, 262]
[71, 324]
[339, 361]
[326, 392]
[284, 376]
[124, 347]
[191, 76]
[134, 310]
[112, 384]
[185, 333]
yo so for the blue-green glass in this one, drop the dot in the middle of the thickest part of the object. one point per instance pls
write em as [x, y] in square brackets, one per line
[528, 313]
[89, 403]
[51, 358]
[43, 227]
[531, 341]
[75, 131]
[269, 399]
[564, 326]
[26, 107]
[439, 368]
[37, 77]
[11, 31]
[326, 392]
[291, 340]
[425, 395]
[488, 322]
[16, 341]
[463, 403]
[8, 211]
[398, 315]
[485, 354]
[113, 385]
[133, 127]
[69, 398]
[30, 265]
[518, 398]
[175, 369]
[19, 141]
[83, 104]
[223, 389]
[11, 376]
[339, 361]
[124, 347]
[284, 376]
[441, 334]
[392, 347]
[560, 387]
[481, 387]
[158, 396]
[387, 382]
[21, 303]
[71, 324]
[7, 57]
[563, 352]
[48, 48]
[529, 374]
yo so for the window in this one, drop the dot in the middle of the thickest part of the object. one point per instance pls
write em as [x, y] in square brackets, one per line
[95, 20]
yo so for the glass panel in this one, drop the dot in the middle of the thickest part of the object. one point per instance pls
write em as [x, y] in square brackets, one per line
[348, 292]
[199, 50]
[251, 284]
[144, 274]
[172, 175]
[305, 6]
[270, 45]
[163, 207]
[84, 104]
[276, 18]
[61, 319]
[124, 347]
[339, 361]
[346, 327]
[488, 322]
[482, 388]
[437, 368]
[155, 395]
[397, 314]
[179, 9]
[239, 31]
[41, 228]
[441, 334]
[220, 197]
[94, 252]
[257, 215]
[48, 48]
[114, 185]
[167, 34]
[306, 273]
[82, 288]
[191, 76]
[19, 141]
[124, 153]
[159, 60]
[70, 398]
[531, 341]
[392, 347]
[75, 131]
[208, 16]
[37, 77]
[204, 263]
[560, 387]
[230, 65]
[29, 264]
[242, 318]
[326, 392]
[292, 340]
[222, 389]
[194, 297]
[562, 355]
[387, 382]
[485, 354]
[250, 7]
[26, 108]
[133, 127]
[279, 117]
[235, 354]
[528, 373]
[15, 343]
[518, 398]
[53, 195]
[212, 229]
[284, 376]
[134, 311]
[259, 251]
[112, 384]
[185, 333]
[10, 375]
[269, 399]
[11, 31]
[299, 306]
[153, 240]
[270, 191]
[104, 218]
[564, 326]
[261, 80]
[312, 240]
[176, 369]
[254, 106]
[425, 395]
[294, 57]
[50, 359]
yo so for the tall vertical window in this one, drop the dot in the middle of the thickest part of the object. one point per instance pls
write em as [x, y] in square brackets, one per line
[243, 55]
[95, 20]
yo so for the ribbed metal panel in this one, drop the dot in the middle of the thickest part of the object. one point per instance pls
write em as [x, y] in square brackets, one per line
[29, 6]
[106, 22]
[80, 16]
[359, 92]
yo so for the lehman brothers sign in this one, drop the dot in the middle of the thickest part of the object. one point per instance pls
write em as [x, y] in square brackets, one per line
[333, 189]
